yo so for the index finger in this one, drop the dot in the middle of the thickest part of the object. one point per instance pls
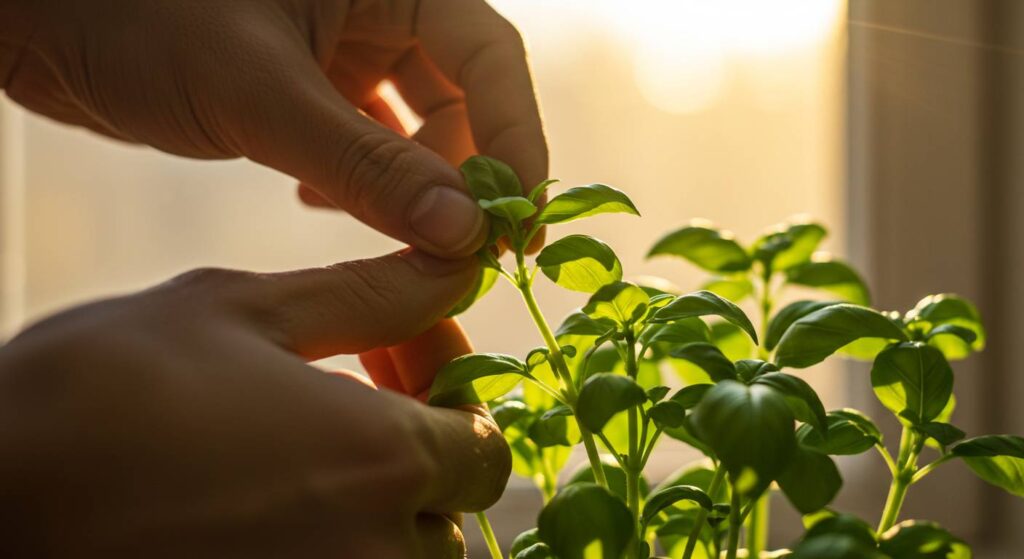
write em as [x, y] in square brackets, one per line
[483, 54]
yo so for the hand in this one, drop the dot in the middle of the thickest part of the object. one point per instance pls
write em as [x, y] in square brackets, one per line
[183, 421]
[288, 83]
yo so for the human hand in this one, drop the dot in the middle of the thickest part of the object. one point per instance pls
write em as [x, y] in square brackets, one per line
[183, 421]
[288, 83]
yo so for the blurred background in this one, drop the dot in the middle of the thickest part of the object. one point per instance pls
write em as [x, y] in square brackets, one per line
[897, 123]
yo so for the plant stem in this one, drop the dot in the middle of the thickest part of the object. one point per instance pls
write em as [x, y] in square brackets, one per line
[906, 467]
[735, 524]
[558, 363]
[757, 527]
[702, 515]
[634, 469]
[488, 532]
[928, 469]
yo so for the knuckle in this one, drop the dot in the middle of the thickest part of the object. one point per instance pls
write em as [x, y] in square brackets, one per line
[367, 291]
[374, 170]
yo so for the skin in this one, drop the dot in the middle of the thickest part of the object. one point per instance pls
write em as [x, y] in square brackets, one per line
[185, 420]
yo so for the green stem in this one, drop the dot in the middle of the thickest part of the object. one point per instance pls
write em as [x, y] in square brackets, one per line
[702, 514]
[928, 469]
[488, 532]
[633, 471]
[757, 528]
[735, 524]
[558, 364]
[906, 467]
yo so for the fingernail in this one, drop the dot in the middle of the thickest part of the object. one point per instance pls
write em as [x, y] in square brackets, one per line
[432, 265]
[447, 219]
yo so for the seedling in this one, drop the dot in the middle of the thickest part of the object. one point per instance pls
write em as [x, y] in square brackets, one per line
[597, 381]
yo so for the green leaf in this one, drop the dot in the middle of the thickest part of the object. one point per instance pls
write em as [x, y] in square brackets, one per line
[554, 428]
[733, 289]
[525, 454]
[823, 332]
[709, 358]
[485, 279]
[509, 413]
[536, 551]
[947, 309]
[668, 496]
[683, 331]
[489, 179]
[690, 396]
[913, 380]
[674, 532]
[584, 201]
[997, 459]
[788, 246]
[475, 379]
[732, 340]
[621, 302]
[667, 414]
[955, 342]
[810, 481]
[580, 263]
[657, 394]
[849, 432]
[579, 324]
[802, 399]
[835, 546]
[523, 541]
[750, 429]
[845, 524]
[586, 521]
[698, 474]
[539, 190]
[749, 369]
[943, 433]
[604, 395]
[704, 303]
[710, 248]
[512, 208]
[789, 314]
[615, 476]
[833, 276]
[916, 539]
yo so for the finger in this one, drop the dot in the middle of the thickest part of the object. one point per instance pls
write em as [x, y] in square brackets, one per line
[472, 460]
[310, 197]
[418, 360]
[381, 368]
[295, 121]
[483, 54]
[438, 537]
[350, 307]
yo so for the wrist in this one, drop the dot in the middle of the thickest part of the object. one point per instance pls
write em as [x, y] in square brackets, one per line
[17, 23]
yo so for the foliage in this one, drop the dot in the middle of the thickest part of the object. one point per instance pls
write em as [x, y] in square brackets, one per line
[598, 382]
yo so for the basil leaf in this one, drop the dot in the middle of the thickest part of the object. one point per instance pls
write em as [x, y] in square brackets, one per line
[913, 380]
[802, 399]
[750, 429]
[823, 332]
[943, 433]
[580, 263]
[997, 459]
[583, 515]
[835, 546]
[657, 394]
[484, 282]
[733, 289]
[810, 481]
[845, 524]
[612, 473]
[707, 247]
[579, 324]
[690, 396]
[475, 379]
[732, 340]
[785, 318]
[668, 496]
[936, 311]
[523, 541]
[833, 276]
[704, 303]
[788, 246]
[683, 331]
[490, 179]
[554, 429]
[512, 208]
[604, 395]
[849, 432]
[749, 369]
[668, 414]
[621, 302]
[539, 190]
[536, 551]
[509, 413]
[584, 201]
[916, 539]
[709, 358]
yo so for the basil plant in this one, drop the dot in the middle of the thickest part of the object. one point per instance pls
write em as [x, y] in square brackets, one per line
[597, 381]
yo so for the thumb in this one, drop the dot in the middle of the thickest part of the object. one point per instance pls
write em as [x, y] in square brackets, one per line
[299, 124]
[354, 306]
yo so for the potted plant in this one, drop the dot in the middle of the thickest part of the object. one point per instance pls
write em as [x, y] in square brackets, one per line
[597, 381]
